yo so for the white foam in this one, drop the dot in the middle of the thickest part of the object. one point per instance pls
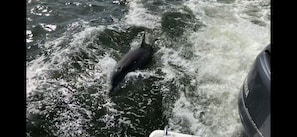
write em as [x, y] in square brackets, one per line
[72, 121]
[41, 10]
[37, 68]
[29, 36]
[223, 53]
[175, 65]
[138, 73]
[107, 63]
[139, 16]
[48, 27]
[33, 70]
[82, 38]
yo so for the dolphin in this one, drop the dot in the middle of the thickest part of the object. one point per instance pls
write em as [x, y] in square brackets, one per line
[133, 60]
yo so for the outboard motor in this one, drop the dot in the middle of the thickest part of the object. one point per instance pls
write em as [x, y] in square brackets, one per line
[254, 97]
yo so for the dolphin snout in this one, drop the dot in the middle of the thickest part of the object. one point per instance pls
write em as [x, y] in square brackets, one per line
[111, 89]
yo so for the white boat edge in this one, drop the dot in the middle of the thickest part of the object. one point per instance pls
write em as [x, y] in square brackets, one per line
[161, 133]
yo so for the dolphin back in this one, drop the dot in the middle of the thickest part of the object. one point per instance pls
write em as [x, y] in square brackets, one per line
[137, 58]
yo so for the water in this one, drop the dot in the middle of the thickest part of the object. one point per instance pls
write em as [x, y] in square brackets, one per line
[204, 51]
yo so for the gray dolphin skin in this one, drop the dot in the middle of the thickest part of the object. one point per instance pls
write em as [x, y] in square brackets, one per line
[133, 60]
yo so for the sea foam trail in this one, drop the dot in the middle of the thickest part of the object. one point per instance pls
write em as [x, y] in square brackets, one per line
[223, 53]
[57, 53]
[140, 16]
[63, 92]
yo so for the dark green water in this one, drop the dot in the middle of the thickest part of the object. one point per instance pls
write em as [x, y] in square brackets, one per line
[203, 52]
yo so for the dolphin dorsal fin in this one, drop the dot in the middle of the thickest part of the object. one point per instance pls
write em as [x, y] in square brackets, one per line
[143, 40]
[144, 43]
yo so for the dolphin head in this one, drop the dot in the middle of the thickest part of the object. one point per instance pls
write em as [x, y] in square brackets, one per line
[116, 77]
